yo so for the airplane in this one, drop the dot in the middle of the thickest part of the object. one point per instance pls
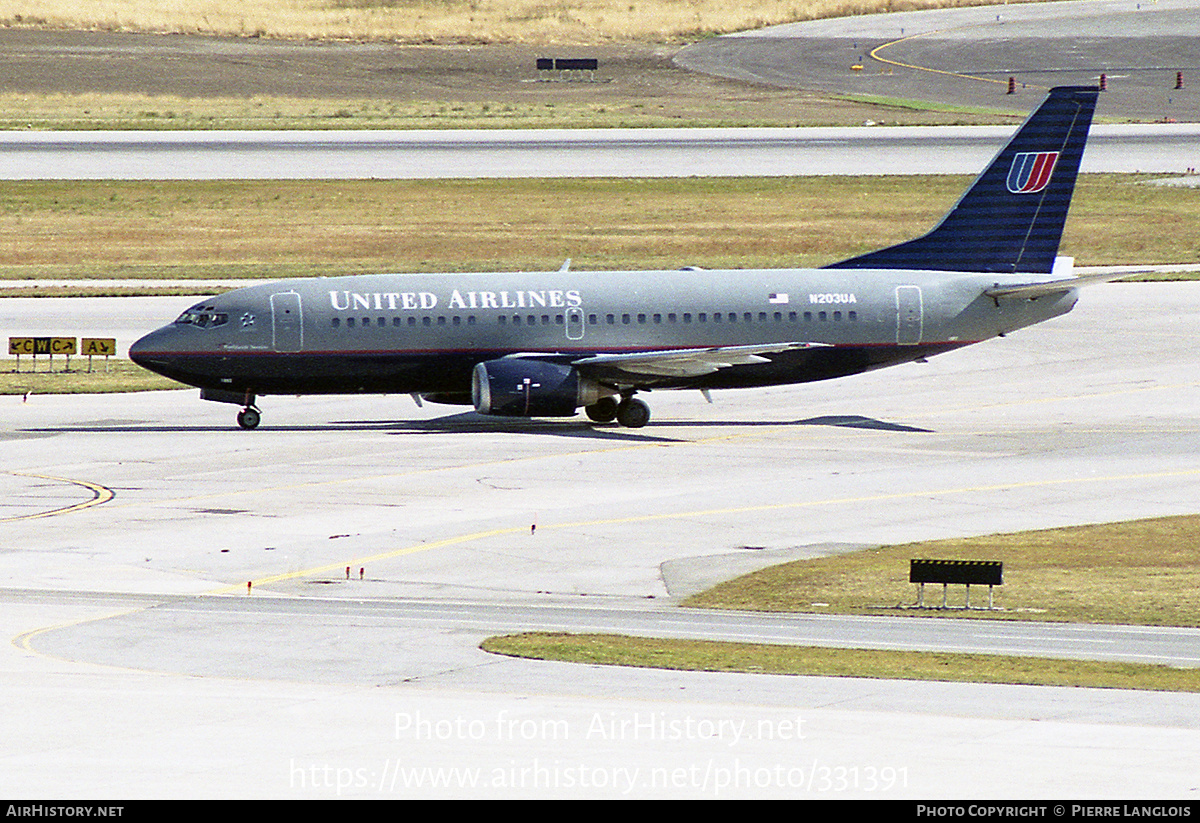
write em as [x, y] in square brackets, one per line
[545, 344]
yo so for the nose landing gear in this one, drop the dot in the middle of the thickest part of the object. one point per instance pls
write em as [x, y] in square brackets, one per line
[249, 417]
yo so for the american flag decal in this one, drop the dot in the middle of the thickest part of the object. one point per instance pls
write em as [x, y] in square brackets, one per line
[1031, 171]
[777, 298]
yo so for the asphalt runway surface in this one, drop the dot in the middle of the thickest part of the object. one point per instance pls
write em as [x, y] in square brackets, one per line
[315, 685]
[958, 56]
[965, 56]
[283, 155]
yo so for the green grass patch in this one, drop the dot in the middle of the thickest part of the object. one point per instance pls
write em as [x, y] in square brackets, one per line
[257, 229]
[108, 291]
[1144, 572]
[124, 112]
[115, 375]
[448, 21]
[928, 105]
[758, 658]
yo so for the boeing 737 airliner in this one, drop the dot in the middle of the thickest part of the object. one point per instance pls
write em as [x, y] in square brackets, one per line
[547, 344]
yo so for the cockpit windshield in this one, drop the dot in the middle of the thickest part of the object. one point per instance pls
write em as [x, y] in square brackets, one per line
[202, 316]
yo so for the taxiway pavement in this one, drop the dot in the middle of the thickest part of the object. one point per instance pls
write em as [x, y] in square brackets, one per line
[965, 56]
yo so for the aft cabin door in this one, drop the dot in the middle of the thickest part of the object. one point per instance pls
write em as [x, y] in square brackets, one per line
[909, 315]
[286, 326]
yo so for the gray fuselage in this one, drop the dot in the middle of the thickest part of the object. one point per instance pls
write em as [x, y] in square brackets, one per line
[423, 333]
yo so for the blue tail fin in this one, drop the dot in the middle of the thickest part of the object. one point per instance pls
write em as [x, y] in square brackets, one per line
[1011, 219]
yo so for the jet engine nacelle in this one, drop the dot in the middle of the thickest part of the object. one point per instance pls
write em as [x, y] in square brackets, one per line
[515, 387]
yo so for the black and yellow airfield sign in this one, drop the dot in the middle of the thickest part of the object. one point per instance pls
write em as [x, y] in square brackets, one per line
[42, 345]
[99, 346]
[35, 347]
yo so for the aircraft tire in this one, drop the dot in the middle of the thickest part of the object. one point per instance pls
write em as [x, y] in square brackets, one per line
[249, 418]
[603, 410]
[633, 414]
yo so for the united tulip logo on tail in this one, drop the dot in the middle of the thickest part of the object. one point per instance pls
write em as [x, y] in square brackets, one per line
[1031, 171]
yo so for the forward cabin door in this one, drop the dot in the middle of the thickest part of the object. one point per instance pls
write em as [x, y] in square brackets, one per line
[910, 318]
[287, 330]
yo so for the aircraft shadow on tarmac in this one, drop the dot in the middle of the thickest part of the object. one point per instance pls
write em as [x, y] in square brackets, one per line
[843, 421]
[472, 423]
[464, 423]
[853, 421]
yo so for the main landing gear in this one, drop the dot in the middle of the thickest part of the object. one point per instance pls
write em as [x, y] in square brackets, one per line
[630, 413]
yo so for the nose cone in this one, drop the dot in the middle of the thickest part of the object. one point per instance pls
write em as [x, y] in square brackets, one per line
[153, 350]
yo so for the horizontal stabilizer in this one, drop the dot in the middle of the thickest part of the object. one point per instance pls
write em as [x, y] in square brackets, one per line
[1030, 291]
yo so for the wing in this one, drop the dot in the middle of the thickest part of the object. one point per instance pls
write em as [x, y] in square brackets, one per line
[679, 363]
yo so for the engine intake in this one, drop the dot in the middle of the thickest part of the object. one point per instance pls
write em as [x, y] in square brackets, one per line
[515, 387]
